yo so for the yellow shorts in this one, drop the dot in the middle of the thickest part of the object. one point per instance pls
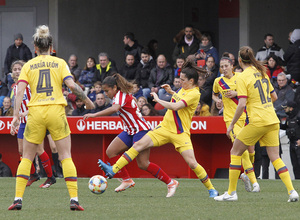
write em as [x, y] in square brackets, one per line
[161, 136]
[268, 136]
[41, 118]
[236, 129]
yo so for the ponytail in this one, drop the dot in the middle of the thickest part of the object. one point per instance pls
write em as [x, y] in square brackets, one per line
[192, 71]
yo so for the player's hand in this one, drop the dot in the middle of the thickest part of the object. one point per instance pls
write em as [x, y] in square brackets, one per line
[167, 87]
[89, 104]
[155, 96]
[230, 94]
[14, 125]
[89, 115]
[229, 129]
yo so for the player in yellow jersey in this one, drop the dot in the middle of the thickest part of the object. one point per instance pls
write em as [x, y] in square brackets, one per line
[175, 129]
[256, 93]
[226, 86]
[45, 75]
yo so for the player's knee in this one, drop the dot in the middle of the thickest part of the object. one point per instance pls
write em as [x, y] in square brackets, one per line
[143, 165]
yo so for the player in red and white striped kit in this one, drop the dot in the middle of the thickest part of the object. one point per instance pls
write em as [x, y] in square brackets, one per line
[135, 127]
[16, 70]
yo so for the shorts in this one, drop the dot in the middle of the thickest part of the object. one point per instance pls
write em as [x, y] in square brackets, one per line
[129, 140]
[41, 118]
[20, 134]
[236, 129]
[161, 136]
[268, 136]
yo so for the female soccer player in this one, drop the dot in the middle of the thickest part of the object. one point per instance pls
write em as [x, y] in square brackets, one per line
[175, 128]
[16, 70]
[118, 88]
[45, 75]
[256, 93]
[226, 85]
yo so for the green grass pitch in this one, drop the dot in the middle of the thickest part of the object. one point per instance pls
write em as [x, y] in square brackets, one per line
[147, 201]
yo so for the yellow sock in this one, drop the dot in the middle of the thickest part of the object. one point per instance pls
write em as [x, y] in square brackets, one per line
[252, 157]
[23, 174]
[283, 174]
[202, 175]
[126, 158]
[234, 172]
[70, 174]
[248, 167]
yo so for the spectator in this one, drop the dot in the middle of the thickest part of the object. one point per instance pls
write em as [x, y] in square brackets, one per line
[163, 73]
[206, 49]
[176, 85]
[178, 66]
[205, 90]
[146, 64]
[128, 70]
[187, 44]
[80, 108]
[273, 69]
[216, 109]
[87, 75]
[152, 48]
[101, 104]
[148, 110]
[269, 48]
[6, 109]
[17, 51]
[95, 90]
[105, 67]
[284, 92]
[212, 68]
[238, 69]
[137, 91]
[5, 171]
[132, 47]
[292, 56]
[74, 68]
[3, 92]
[202, 109]
[232, 57]
[141, 101]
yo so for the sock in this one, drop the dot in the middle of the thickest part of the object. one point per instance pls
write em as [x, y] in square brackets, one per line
[158, 173]
[127, 157]
[23, 174]
[234, 172]
[55, 161]
[123, 173]
[283, 174]
[248, 167]
[32, 169]
[70, 174]
[252, 157]
[202, 175]
[46, 163]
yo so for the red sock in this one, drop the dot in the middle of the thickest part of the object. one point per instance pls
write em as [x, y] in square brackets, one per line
[123, 173]
[32, 171]
[46, 163]
[158, 173]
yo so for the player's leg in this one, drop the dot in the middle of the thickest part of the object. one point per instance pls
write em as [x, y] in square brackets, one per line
[54, 156]
[249, 176]
[251, 150]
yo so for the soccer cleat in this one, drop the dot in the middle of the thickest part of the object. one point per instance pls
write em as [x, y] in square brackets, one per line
[74, 206]
[256, 189]
[172, 188]
[17, 205]
[294, 197]
[33, 178]
[107, 169]
[226, 197]
[213, 193]
[125, 185]
[49, 181]
[247, 182]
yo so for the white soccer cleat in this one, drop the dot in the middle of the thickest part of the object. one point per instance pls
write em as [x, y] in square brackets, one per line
[294, 197]
[256, 188]
[247, 182]
[226, 197]
[172, 188]
[125, 185]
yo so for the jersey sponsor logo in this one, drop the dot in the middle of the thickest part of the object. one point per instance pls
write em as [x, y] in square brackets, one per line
[80, 124]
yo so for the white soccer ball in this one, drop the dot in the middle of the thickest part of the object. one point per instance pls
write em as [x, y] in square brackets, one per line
[97, 184]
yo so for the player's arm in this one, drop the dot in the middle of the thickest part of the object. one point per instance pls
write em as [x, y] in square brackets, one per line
[79, 93]
[106, 112]
[238, 112]
[274, 96]
[168, 89]
[175, 106]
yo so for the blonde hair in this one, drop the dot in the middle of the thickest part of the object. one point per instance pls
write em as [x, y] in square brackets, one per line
[42, 38]
[19, 62]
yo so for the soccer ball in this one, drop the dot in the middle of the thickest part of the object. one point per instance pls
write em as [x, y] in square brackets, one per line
[97, 184]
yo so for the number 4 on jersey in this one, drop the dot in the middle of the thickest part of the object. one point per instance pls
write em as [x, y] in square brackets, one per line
[44, 77]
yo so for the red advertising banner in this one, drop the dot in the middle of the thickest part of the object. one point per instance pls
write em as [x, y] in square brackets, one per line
[114, 125]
